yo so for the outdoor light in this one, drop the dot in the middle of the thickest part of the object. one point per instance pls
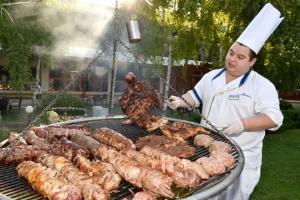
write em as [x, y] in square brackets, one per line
[29, 109]
[133, 30]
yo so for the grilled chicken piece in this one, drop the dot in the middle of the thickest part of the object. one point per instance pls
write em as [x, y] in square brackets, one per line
[31, 138]
[113, 138]
[15, 139]
[138, 100]
[46, 182]
[203, 140]
[182, 131]
[143, 196]
[169, 146]
[211, 165]
[225, 158]
[102, 173]
[152, 181]
[181, 177]
[67, 169]
[193, 172]
[20, 153]
[67, 148]
[66, 132]
[155, 122]
[220, 146]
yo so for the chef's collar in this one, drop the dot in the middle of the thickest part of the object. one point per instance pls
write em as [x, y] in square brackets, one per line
[243, 80]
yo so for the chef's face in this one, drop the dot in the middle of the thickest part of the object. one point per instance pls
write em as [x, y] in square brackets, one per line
[238, 60]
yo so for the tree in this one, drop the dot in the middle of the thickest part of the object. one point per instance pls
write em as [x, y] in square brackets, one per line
[213, 26]
[18, 36]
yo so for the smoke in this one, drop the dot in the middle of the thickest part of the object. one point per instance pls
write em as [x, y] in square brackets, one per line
[75, 24]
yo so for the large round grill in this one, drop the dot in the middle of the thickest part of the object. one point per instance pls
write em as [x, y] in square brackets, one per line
[13, 187]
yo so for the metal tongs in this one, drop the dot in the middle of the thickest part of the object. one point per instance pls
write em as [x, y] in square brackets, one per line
[218, 130]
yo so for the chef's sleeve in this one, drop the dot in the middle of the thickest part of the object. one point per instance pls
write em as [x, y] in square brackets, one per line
[267, 102]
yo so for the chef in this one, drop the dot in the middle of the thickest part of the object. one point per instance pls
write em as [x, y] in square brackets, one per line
[239, 101]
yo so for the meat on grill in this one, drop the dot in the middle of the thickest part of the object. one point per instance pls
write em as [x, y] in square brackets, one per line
[220, 146]
[143, 196]
[67, 148]
[113, 138]
[181, 177]
[14, 139]
[181, 131]
[211, 165]
[166, 145]
[217, 163]
[102, 173]
[46, 182]
[66, 132]
[20, 153]
[138, 100]
[150, 180]
[203, 140]
[173, 164]
[89, 189]
[225, 158]
[31, 138]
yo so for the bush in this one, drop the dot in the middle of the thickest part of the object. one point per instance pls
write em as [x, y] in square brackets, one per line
[284, 105]
[65, 100]
[291, 119]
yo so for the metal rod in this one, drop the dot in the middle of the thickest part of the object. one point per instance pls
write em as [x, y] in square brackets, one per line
[170, 63]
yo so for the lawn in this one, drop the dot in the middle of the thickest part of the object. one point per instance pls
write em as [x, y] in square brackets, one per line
[280, 177]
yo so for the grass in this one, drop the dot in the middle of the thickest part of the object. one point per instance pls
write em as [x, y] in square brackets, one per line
[280, 176]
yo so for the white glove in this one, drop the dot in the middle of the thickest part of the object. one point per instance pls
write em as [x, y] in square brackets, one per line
[174, 102]
[235, 128]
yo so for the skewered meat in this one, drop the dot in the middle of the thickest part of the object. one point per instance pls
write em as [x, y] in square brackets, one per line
[166, 145]
[138, 100]
[225, 158]
[203, 140]
[113, 138]
[87, 143]
[31, 138]
[181, 177]
[20, 153]
[66, 132]
[143, 196]
[181, 131]
[102, 173]
[211, 165]
[152, 181]
[15, 139]
[46, 182]
[193, 172]
[67, 148]
[220, 146]
[89, 190]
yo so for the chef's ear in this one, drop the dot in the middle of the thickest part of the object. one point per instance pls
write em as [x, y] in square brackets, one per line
[253, 61]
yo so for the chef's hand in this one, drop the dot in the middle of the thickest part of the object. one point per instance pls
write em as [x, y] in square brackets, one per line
[235, 128]
[174, 102]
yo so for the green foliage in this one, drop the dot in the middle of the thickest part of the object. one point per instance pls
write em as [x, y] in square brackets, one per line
[65, 100]
[214, 25]
[284, 105]
[18, 38]
[291, 119]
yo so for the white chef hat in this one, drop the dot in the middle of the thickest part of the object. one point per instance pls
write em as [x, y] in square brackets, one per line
[260, 28]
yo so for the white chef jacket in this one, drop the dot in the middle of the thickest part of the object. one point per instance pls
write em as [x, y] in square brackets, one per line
[249, 95]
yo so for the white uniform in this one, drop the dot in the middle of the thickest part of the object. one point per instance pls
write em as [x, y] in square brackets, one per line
[247, 96]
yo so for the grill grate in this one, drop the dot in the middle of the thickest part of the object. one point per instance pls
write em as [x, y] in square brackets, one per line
[14, 187]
